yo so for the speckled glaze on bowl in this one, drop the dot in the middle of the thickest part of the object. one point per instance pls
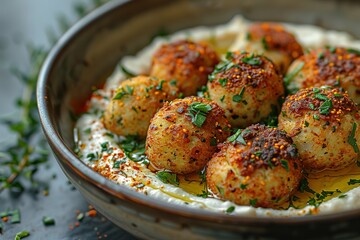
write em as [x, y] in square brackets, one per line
[87, 54]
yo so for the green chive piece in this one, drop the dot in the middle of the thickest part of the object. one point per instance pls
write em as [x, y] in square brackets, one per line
[353, 181]
[48, 221]
[325, 107]
[15, 216]
[238, 97]
[198, 111]
[290, 76]
[230, 209]
[352, 139]
[168, 177]
[21, 235]
[128, 73]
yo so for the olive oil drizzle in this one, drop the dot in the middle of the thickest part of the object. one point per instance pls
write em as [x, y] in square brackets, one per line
[322, 186]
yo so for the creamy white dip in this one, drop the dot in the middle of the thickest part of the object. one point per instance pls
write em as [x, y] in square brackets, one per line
[90, 133]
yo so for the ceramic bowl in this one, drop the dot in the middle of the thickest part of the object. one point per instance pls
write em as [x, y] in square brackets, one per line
[88, 53]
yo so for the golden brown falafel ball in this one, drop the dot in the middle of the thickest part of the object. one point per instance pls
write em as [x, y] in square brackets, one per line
[247, 86]
[258, 166]
[275, 42]
[336, 67]
[187, 62]
[324, 125]
[183, 134]
[134, 103]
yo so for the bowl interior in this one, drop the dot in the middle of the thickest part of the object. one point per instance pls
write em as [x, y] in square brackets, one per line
[87, 54]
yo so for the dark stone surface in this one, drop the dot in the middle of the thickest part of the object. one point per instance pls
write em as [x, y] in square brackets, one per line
[63, 203]
[24, 22]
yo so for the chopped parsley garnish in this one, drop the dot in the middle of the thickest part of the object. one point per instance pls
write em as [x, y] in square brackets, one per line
[253, 202]
[316, 117]
[160, 86]
[21, 235]
[238, 97]
[237, 137]
[80, 217]
[285, 164]
[311, 106]
[129, 89]
[320, 55]
[134, 149]
[119, 162]
[122, 92]
[168, 177]
[264, 43]
[128, 73]
[291, 75]
[338, 95]
[304, 186]
[104, 146]
[251, 60]
[203, 92]
[203, 194]
[306, 124]
[48, 221]
[213, 141]
[248, 36]
[220, 190]
[272, 119]
[353, 50]
[92, 156]
[332, 49]
[342, 196]
[258, 153]
[352, 139]
[140, 185]
[119, 94]
[316, 90]
[173, 82]
[15, 216]
[243, 186]
[321, 97]
[223, 81]
[325, 107]
[197, 111]
[222, 98]
[221, 67]
[353, 181]
[134, 109]
[230, 209]
[229, 55]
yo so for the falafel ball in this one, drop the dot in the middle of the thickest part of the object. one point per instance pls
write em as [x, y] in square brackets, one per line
[183, 134]
[275, 42]
[258, 166]
[336, 67]
[324, 125]
[134, 104]
[188, 63]
[247, 86]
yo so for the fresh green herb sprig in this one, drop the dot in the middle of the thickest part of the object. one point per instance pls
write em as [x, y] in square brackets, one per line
[198, 111]
[134, 149]
[168, 177]
[20, 159]
[352, 139]
[252, 60]
[21, 235]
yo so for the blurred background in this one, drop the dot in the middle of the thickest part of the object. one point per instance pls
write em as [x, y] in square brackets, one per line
[26, 24]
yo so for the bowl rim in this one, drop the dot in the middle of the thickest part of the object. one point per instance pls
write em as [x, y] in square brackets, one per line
[116, 190]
